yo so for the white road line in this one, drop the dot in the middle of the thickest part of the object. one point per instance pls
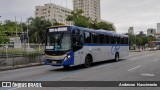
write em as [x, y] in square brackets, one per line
[14, 88]
[134, 59]
[156, 59]
[134, 68]
[147, 75]
[101, 66]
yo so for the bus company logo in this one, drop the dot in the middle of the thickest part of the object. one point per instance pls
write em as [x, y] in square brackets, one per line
[6, 84]
[114, 49]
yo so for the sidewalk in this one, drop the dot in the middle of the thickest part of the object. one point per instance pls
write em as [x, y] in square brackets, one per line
[20, 66]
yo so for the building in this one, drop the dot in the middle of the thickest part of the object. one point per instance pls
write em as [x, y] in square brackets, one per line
[53, 13]
[158, 27]
[151, 32]
[91, 8]
[131, 30]
[157, 35]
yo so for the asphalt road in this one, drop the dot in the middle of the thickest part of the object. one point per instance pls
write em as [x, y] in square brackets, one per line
[138, 66]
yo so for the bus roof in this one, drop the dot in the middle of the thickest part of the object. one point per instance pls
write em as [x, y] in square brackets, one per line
[100, 31]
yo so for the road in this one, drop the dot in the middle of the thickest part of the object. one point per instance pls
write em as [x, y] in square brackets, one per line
[138, 66]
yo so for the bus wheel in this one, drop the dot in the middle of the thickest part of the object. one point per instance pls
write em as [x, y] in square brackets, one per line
[87, 61]
[116, 57]
[66, 66]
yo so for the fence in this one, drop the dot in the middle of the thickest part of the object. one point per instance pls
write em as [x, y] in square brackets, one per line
[20, 55]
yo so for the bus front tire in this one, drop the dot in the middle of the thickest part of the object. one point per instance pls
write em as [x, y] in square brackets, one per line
[66, 66]
[87, 61]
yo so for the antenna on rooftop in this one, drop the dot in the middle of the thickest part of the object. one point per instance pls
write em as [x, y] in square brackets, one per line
[66, 3]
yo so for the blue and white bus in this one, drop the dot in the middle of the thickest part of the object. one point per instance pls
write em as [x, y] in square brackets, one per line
[71, 45]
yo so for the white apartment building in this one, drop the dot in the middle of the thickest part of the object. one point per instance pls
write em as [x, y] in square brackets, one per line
[53, 12]
[151, 32]
[131, 30]
[91, 8]
[158, 27]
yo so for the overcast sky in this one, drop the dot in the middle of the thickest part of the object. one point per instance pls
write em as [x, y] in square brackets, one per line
[140, 14]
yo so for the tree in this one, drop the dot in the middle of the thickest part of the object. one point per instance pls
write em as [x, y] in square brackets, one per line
[151, 38]
[82, 22]
[105, 26]
[131, 39]
[79, 20]
[75, 14]
[37, 29]
[3, 36]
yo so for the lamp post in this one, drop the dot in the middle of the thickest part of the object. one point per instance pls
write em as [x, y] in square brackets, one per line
[28, 31]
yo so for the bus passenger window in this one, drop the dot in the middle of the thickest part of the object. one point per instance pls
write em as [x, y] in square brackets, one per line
[113, 40]
[87, 37]
[101, 39]
[95, 38]
[107, 39]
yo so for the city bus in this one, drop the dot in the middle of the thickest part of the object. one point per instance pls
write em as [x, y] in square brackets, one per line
[71, 45]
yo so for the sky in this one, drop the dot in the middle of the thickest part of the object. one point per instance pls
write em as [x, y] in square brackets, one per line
[140, 14]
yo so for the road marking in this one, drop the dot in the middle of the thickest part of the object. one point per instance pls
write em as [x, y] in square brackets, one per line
[14, 88]
[156, 59]
[134, 68]
[134, 59]
[101, 66]
[147, 74]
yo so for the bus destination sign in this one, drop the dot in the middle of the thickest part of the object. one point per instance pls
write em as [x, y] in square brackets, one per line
[58, 29]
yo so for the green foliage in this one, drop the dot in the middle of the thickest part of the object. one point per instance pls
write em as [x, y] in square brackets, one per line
[151, 38]
[79, 20]
[131, 39]
[10, 27]
[82, 22]
[3, 37]
[140, 39]
[37, 29]
[105, 26]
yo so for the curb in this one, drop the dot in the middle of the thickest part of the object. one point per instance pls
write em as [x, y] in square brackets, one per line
[19, 67]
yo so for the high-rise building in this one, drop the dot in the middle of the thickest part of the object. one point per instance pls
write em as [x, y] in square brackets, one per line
[53, 13]
[131, 30]
[151, 32]
[158, 27]
[91, 8]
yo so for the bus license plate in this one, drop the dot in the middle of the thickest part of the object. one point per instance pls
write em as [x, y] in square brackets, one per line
[54, 62]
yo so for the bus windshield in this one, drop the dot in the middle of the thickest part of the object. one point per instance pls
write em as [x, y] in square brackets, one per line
[59, 41]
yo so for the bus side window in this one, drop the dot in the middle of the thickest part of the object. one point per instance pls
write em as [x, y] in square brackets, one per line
[113, 39]
[87, 38]
[122, 40]
[101, 39]
[118, 40]
[95, 38]
[77, 38]
[107, 39]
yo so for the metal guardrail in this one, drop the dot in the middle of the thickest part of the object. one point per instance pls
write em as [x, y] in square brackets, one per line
[20, 55]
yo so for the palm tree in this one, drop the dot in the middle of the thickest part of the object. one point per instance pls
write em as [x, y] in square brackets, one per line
[37, 29]
[75, 14]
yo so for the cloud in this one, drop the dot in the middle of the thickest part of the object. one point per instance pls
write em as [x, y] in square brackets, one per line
[141, 14]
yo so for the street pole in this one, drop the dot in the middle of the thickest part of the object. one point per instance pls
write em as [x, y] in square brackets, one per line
[27, 31]
[16, 25]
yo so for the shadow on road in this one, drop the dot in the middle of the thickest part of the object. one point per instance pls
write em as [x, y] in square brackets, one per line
[80, 67]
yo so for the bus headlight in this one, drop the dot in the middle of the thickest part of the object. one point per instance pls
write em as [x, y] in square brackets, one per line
[67, 57]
